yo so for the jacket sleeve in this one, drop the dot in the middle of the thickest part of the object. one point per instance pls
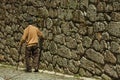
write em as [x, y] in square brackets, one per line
[24, 36]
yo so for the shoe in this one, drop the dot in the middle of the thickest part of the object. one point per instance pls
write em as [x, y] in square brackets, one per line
[36, 70]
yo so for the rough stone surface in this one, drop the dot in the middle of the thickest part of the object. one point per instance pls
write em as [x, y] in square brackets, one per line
[81, 36]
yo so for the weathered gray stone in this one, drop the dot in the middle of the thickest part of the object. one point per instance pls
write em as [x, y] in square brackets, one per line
[95, 56]
[101, 6]
[60, 38]
[78, 38]
[14, 53]
[87, 41]
[90, 30]
[118, 58]
[105, 77]
[8, 30]
[43, 66]
[58, 69]
[46, 45]
[54, 62]
[50, 67]
[49, 23]
[1, 35]
[107, 17]
[53, 13]
[103, 45]
[115, 31]
[75, 55]
[50, 36]
[71, 43]
[67, 71]
[96, 45]
[72, 4]
[45, 32]
[56, 30]
[64, 3]
[7, 51]
[32, 11]
[118, 70]
[82, 30]
[105, 36]
[109, 8]
[84, 3]
[47, 56]
[61, 13]
[2, 46]
[64, 52]
[62, 62]
[53, 48]
[82, 72]
[115, 16]
[73, 29]
[78, 16]
[109, 57]
[80, 49]
[93, 1]
[87, 64]
[115, 47]
[100, 17]
[10, 41]
[69, 15]
[65, 27]
[116, 6]
[98, 26]
[110, 69]
[43, 12]
[91, 12]
[72, 67]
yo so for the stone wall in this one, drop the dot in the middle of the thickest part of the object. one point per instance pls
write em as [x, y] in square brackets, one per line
[81, 36]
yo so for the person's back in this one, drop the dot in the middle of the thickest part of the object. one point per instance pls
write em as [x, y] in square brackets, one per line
[31, 37]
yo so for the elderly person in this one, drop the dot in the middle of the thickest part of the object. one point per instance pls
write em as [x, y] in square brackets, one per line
[31, 37]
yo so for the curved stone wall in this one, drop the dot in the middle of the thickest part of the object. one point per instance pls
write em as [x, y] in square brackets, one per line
[81, 36]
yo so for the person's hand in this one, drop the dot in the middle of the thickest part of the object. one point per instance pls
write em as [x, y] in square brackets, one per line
[42, 38]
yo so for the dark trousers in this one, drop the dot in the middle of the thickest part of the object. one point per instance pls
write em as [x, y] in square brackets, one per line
[32, 57]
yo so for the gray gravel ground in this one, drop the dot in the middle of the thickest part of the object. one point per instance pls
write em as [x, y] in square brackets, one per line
[10, 73]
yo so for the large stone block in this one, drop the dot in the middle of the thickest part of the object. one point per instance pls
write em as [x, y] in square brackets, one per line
[111, 70]
[115, 16]
[109, 57]
[87, 41]
[64, 52]
[87, 64]
[114, 29]
[95, 56]
[92, 13]
[115, 47]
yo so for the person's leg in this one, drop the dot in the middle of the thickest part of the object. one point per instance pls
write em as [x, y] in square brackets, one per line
[28, 56]
[36, 59]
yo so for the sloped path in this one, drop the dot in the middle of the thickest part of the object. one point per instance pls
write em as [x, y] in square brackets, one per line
[10, 73]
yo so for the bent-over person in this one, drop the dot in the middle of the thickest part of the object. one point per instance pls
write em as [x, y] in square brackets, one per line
[31, 37]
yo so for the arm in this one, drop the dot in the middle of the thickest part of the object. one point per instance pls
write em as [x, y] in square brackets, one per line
[23, 39]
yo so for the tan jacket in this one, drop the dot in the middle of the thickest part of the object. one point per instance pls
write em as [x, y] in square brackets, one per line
[31, 35]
